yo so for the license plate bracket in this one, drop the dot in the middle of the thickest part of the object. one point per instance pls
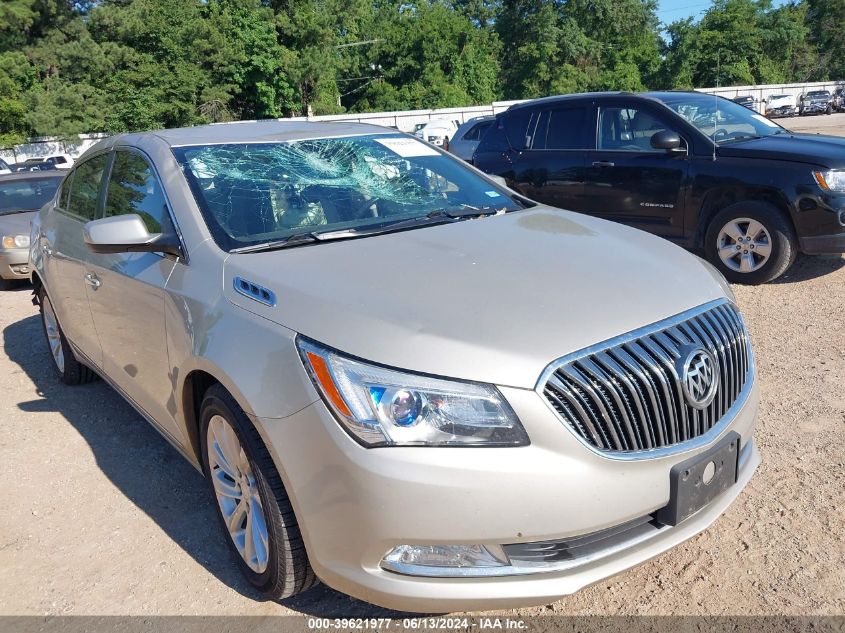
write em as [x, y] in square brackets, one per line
[695, 482]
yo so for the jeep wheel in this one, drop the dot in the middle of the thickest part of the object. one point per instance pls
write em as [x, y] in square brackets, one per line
[254, 509]
[70, 370]
[750, 243]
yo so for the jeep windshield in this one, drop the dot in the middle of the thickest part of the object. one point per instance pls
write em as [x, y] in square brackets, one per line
[276, 194]
[722, 120]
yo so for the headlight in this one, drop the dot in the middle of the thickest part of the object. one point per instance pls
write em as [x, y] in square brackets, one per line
[833, 180]
[386, 407]
[16, 241]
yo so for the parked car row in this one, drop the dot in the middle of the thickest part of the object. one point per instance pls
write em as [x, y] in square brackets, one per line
[41, 163]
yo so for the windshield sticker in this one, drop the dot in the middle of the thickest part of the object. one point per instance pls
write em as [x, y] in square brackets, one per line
[493, 194]
[407, 147]
[764, 120]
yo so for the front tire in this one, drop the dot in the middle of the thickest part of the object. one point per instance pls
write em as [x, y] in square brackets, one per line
[254, 509]
[750, 243]
[68, 368]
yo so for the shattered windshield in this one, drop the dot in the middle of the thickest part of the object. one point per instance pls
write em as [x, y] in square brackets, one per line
[256, 193]
[721, 119]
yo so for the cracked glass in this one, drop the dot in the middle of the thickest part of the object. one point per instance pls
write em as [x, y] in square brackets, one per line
[254, 193]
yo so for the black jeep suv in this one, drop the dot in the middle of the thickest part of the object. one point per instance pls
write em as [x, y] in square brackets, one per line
[699, 170]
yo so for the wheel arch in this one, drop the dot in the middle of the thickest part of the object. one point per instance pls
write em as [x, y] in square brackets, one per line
[197, 381]
[723, 197]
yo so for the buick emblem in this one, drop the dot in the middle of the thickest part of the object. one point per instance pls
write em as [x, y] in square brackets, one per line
[699, 376]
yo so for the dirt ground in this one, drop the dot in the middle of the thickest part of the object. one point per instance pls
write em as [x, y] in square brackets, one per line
[101, 516]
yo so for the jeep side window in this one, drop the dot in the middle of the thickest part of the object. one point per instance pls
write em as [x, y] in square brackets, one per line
[557, 128]
[627, 129]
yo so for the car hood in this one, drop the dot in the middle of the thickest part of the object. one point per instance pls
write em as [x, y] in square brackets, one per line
[492, 300]
[815, 149]
[16, 223]
[782, 101]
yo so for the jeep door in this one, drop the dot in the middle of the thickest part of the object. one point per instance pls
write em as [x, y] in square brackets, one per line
[629, 181]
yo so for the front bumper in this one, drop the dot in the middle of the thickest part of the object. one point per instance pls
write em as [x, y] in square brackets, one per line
[814, 108]
[355, 504]
[14, 263]
[781, 111]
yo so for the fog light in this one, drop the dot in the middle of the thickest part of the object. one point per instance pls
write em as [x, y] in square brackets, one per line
[442, 560]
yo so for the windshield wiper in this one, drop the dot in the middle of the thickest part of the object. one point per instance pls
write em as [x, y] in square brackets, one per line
[438, 216]
[297, 239]
[16, 210]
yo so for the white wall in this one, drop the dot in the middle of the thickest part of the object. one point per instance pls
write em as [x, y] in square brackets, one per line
[47, 147]
[405, 120]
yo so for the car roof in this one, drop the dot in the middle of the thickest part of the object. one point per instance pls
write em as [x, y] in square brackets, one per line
[31, 175]
[257, 132]
[651, 96]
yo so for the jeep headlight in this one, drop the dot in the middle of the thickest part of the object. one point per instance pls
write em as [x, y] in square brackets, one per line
[832, 180]
[386, 407]
[16, 241]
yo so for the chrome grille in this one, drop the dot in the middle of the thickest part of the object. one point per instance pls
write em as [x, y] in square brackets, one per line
[627, 394]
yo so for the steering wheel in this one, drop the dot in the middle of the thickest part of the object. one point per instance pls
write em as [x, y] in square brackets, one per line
[719, 134]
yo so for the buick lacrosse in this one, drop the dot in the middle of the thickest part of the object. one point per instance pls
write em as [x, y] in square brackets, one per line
[399, 377]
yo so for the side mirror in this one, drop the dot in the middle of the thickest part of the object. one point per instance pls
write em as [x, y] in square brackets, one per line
[127, 234]
[498, 180]
[667, 140]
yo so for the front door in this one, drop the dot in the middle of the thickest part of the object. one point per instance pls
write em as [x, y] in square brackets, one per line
[127, 296]
[627, 180]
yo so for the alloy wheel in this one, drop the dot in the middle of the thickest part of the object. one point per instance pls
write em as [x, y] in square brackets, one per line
[237, 494]
[744, 245]
[54, 337]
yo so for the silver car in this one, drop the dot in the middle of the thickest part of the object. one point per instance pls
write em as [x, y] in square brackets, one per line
[21, 195]
[468, 136]
[399, 376]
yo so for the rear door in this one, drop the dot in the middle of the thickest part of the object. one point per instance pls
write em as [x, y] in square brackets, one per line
[127, 296]
[627, 180]
[64, 253]
[549, 166]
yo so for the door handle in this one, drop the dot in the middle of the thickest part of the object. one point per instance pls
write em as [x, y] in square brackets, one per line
[602, 163]
[92, 280]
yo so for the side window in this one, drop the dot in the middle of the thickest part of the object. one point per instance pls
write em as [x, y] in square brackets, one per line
[476, 131]
[626, 128]
[84, 196]
[134, 188]
[560, 128]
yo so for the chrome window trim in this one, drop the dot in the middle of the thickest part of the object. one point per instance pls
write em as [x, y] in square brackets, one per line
[675, 449]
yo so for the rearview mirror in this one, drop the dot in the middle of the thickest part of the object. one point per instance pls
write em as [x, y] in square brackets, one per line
[667, 140]
[127, 234]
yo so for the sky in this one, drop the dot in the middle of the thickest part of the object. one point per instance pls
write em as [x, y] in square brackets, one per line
[671, 10]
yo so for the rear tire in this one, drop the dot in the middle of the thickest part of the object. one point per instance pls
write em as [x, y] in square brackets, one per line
[249, 491]
[69, 370]
[750, 243]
